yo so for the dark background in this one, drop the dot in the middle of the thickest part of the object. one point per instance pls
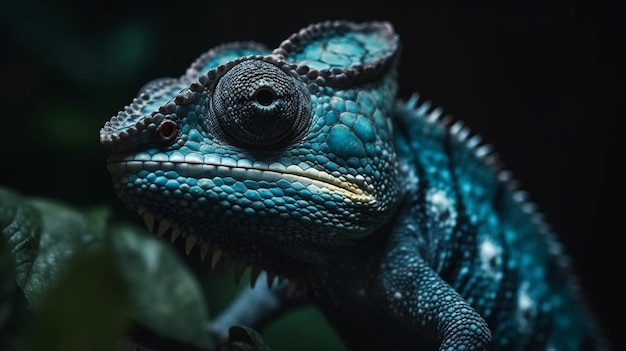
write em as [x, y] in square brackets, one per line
[537, 80]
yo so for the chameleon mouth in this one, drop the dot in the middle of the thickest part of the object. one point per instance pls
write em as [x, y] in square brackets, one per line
[175, 166]
[352, 188]
[217, 257]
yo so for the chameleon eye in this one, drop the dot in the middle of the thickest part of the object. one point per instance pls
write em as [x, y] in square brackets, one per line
[257, 105]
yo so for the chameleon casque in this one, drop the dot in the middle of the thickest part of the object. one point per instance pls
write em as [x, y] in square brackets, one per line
[392, 219]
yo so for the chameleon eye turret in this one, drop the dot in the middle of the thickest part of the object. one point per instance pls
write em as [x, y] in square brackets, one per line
[257, 105]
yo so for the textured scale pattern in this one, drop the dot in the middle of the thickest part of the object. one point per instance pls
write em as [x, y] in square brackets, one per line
[394, 220]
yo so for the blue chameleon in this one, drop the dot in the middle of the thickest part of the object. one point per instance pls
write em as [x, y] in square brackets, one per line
[393, 219]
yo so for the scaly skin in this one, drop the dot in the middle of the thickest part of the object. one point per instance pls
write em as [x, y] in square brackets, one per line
[300, 163]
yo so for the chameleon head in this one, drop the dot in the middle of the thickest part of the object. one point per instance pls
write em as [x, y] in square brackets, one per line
[255, 151]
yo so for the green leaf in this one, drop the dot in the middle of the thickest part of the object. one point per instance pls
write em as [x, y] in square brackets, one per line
[250, 338]
[43, 235]
[8, 287]
[166, 296]
[14, 311]
[65, 258]
[86, 310]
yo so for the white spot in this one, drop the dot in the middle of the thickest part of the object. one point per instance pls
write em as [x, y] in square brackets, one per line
[490, 258]
[524, 302]
[439, 198]
[526, 309]
[441, 208]
[397, 295]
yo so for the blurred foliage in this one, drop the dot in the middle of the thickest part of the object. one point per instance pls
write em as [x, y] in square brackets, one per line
[87, 278]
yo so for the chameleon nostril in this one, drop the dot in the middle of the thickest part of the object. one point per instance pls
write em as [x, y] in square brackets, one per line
[167, 130]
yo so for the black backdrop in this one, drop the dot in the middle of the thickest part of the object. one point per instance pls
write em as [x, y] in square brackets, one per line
[538, 81]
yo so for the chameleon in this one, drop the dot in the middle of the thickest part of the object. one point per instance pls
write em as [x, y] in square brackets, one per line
[393, 219]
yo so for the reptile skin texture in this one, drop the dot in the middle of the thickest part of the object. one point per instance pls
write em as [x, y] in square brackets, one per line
[393, 219]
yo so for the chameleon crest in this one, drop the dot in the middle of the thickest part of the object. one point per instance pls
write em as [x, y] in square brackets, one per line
[301, 163]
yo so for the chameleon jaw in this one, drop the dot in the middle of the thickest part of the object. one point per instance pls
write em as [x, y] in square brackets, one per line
[129, 173]
[162, 225]
[354, 189]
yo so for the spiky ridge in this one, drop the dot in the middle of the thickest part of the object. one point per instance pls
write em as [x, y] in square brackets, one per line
[484, 153]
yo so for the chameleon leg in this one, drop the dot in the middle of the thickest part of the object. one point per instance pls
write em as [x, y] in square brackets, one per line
[255, 308]
[420, 298]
